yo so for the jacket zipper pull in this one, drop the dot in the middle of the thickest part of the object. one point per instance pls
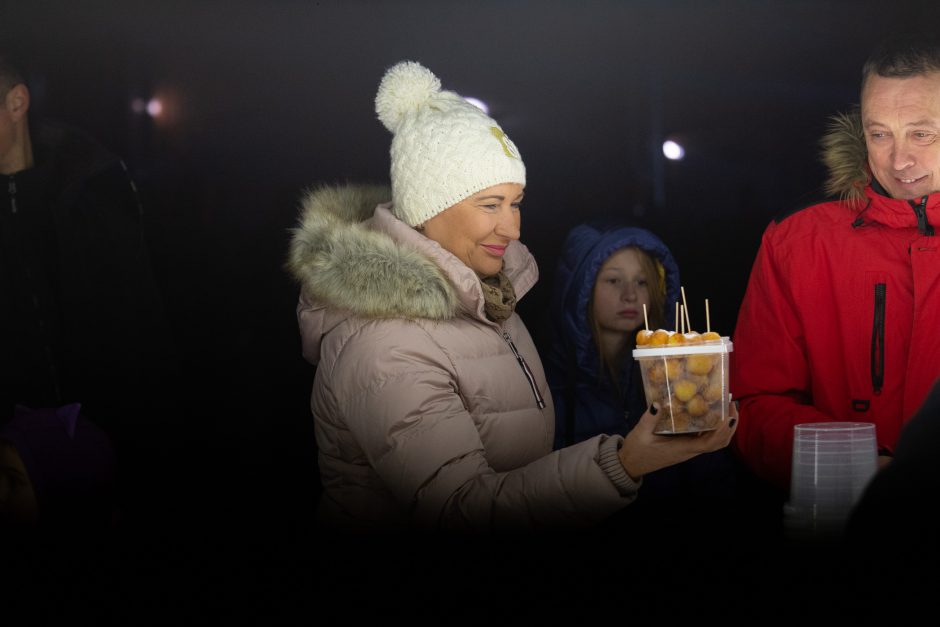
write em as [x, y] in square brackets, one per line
[11, 188]
[920, 210]
[525, 369]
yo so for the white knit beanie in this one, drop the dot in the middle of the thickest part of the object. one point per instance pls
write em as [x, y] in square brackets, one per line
[444, 149]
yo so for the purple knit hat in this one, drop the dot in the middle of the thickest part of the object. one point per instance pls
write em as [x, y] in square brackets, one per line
[70, 462]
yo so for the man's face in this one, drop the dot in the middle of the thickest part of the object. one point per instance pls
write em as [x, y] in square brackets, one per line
[7, 135]
[901, 118]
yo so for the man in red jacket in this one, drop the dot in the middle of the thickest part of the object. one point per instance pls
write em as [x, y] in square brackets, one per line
[841, 316]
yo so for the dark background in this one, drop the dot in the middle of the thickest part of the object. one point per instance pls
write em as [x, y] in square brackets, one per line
[263, 100]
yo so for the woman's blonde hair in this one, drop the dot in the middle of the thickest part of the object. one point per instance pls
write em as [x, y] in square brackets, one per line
[656, 279]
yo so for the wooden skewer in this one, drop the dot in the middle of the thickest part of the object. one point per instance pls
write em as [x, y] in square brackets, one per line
[685, 307]
[645, 319]
[708, 320]
[677, 316]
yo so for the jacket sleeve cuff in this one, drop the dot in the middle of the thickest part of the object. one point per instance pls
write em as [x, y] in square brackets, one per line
[609, 461]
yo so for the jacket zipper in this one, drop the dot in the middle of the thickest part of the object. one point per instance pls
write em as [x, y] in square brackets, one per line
[920, 210]
[11, 188]
[525, 369]
[878, 339]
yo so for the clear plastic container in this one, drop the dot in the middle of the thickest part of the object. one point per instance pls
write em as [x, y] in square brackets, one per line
[690, 383]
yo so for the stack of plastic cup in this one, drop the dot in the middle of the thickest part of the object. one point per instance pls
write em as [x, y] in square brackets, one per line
[832, 464]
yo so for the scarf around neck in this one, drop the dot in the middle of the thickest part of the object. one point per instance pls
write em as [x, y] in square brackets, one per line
[499, 297]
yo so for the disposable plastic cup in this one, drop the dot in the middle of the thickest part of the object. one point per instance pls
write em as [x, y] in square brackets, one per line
[832, 464]
[690, 383]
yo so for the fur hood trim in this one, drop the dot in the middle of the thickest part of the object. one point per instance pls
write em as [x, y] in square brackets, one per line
[342, 263]
[846, 156]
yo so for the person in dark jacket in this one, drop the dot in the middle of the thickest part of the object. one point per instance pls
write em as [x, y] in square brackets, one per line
[893, 527]
[56, 471]
[81, 317]
[606, 274]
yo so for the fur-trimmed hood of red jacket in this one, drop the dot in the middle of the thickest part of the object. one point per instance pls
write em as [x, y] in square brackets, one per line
[845, 155]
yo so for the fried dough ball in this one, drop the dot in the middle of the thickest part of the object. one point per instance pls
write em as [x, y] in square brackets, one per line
[692, 337]
[685, 390]
[711, 336]
[697, 423]
[675, 338]
[643, 337]
[656, 373]
[700, 380]
[659, 338]
[713, 392]
[712, 418]
[664, 425]
[681, 422]
[697, 406]
[716, 375]
[674, 369]
[700, 364]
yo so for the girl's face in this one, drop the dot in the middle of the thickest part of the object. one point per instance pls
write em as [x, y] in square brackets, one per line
[620, 291]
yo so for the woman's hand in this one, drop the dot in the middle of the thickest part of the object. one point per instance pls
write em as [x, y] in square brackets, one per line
[643, 451]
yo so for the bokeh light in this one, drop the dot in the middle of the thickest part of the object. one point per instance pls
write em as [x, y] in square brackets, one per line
[673, 150]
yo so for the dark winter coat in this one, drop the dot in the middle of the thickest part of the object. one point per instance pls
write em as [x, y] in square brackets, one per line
[585, 399]
[81, 317]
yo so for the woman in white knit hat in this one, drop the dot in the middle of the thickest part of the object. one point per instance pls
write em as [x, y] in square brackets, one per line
[430, 402]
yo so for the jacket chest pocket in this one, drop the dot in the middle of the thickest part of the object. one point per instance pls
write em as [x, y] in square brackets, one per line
[871, 374]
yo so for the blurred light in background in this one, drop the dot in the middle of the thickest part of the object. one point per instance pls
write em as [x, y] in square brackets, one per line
[479, 104]
[673, 151]
[154, 107]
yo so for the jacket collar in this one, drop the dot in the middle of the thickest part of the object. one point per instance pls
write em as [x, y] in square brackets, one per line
[882, 209]
[351, 254]
[846, 157]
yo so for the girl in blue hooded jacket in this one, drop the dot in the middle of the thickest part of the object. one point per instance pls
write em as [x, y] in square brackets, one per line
[605, 276]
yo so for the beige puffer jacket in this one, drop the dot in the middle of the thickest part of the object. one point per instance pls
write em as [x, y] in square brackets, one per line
[423, 413]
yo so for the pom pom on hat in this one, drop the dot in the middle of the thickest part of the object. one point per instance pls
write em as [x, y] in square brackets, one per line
[444, 149]
[407, 87]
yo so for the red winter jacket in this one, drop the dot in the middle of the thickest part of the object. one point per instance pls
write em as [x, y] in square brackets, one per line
[841, 318]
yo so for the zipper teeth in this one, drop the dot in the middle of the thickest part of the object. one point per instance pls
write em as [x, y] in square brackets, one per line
[920, 210]
[878, 339]
[525, 369]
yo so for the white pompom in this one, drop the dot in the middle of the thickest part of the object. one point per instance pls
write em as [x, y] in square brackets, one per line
[406, 87]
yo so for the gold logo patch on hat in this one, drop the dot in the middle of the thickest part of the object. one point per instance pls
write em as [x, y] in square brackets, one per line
[508, 147]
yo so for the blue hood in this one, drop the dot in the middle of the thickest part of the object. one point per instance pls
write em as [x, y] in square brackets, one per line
[584, 252]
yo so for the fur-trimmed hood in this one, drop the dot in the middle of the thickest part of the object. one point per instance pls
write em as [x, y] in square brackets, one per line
[350, 253]
[845, 155]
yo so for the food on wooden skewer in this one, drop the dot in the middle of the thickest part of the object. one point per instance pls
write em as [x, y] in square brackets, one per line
[644, 336]
[686, 372]
[659, 338]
